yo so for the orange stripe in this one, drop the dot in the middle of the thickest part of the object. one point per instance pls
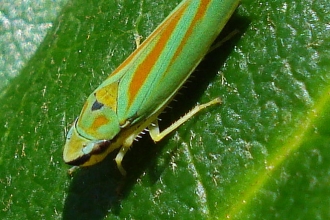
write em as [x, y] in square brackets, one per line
[145, 67]
[198, 16]
[134, 53]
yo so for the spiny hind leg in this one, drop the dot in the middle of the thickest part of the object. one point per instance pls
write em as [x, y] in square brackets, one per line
[156, 135]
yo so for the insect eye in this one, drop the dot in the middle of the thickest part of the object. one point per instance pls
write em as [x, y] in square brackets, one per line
[100, 146]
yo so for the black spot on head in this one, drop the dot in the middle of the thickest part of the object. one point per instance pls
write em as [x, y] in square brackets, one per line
[97, 105]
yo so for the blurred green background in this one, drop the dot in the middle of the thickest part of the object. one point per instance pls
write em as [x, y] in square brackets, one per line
[262, 154]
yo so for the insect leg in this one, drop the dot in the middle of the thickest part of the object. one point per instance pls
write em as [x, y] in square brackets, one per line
[156, 135]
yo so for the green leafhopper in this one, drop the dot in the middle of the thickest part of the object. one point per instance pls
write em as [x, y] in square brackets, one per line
[133, 96]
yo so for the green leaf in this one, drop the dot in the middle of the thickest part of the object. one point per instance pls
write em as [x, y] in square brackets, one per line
[23, 25]
[262, 154]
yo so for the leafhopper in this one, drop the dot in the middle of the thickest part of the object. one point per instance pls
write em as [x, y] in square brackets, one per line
[132, 97]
